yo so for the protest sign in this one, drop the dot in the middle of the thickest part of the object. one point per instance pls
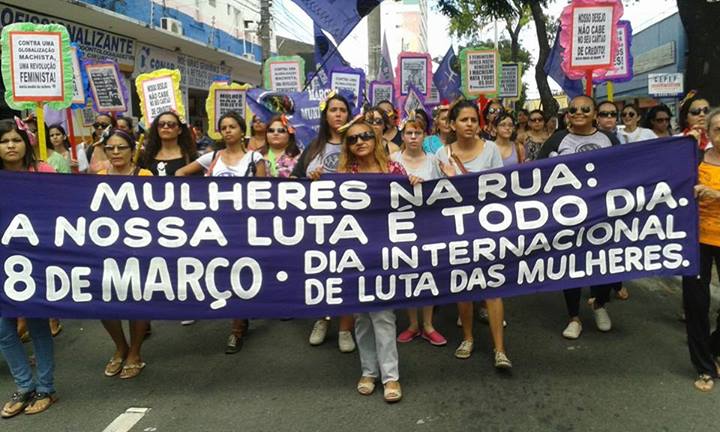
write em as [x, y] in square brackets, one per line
[198, 247]
[107, 88]
[223, 98]
[480, 72]
[349, 81]
[665, 84]
[413, 68]
[79, 78]
[413, 101]
[510, 80]
[159, 91]
[284, 74]
[381, 91]
[622, 69]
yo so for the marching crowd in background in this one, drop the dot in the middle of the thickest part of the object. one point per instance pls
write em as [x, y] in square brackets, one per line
[457, 139]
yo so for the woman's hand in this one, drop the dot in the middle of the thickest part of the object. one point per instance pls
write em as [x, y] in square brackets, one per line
[447, 169]
[703, 192]
[414, 180]
[315, 175]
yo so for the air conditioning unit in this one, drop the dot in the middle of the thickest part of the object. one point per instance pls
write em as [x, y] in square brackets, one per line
[171, 25]
[249, 56]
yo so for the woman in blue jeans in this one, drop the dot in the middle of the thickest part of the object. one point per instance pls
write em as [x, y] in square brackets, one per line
[33, 395]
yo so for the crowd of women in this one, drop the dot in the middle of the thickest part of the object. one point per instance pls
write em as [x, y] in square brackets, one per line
[457, 140]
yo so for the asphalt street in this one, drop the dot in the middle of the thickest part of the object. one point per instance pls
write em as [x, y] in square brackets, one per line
[638, 377]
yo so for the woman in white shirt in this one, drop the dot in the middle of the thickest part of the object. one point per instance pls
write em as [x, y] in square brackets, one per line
[632, 132]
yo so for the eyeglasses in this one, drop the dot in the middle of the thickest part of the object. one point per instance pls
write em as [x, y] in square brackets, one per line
[661, 119]
[167, 124]
[365, 136]
[374, 121]
[119, 148]
[494, 110]
[628, 114]
[697, 111]
[608, 114]
[278, 130]
[98, 125]
[536, 119]
[585, 109]
[413, 133]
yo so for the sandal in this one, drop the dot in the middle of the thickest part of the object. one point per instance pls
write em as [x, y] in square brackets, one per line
[366, 385]
[392, 391]
[55, 327]
[40, 402]
[704, 383]
[132, 370]
[17, 403]
[114, 366]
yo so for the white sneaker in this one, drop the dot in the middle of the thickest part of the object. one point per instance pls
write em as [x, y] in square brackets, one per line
[573, 330]
[602, 319]
[319, 331]
[346, 342]
[187, 322]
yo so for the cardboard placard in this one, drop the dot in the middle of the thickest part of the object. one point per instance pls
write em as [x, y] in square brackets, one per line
[106, 87]
[78, 83]
[159, 91]
[349, 80]
[622, 69]
[510, 80]
[224, 98]
[284, 74]
[591, 37]
[416, 69]
[480, 70]
[380, 91]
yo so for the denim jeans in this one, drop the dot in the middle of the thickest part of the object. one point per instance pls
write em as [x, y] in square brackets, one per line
[17, 359]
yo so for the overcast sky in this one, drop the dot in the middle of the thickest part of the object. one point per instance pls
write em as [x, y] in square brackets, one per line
[292, 22]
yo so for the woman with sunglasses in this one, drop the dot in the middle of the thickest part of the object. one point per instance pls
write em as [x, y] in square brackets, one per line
[441, 132]
[97, 160]
[257, 134]
[321, 157]
[119, 147]
[536, 134]
[169, 146]
[490, 113]
[511, 152]
[658, 120]
[377, 118]
[703, 345]
[424, 166]
[362, 153]
[693, 111]
[582, 136]
[32, 396]
[281, 152]
[233, 160]
[471, 154]
[632, 132]
[392, 134]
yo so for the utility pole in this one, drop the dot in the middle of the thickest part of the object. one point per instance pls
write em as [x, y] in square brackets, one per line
[374, 37]
[265, 28]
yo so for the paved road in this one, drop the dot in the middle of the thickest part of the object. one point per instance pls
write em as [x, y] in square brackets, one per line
[636, 378]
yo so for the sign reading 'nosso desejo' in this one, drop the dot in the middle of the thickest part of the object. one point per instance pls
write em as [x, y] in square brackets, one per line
[170, 248]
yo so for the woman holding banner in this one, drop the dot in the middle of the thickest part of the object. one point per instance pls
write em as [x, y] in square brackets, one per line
[119, 147]
[704, 346]
[693, 110]
[33, 395]
[424, 166]
[169, 147]
[321, 157]
[233, 160]
[281, 152]
[471, 154]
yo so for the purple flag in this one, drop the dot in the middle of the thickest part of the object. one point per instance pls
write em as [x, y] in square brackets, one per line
[385, 69]
[338, 17]
[327, 55]
[447, 78]
[553, 67]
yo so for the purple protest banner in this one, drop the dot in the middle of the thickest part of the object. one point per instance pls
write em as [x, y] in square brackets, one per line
[171, 248]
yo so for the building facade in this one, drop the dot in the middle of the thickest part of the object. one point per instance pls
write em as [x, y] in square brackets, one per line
[413, 25]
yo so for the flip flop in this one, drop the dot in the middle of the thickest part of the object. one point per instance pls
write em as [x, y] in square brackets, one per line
[114, 367]
[132, 370]
[366, 386]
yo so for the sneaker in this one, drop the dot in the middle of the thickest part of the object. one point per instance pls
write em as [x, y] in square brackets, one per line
[602, 319]
[319, 331]
[464, 351]
[573, 330]
[435, 338]
[234, 344]
[346, 344]
[408, 336]
[502, 361]
[187, 322]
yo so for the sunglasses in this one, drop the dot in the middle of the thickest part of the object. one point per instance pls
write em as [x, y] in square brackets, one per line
[98, 125]
[167, 124]
[119, 148]
[365, 136]
[278, 130]
[494, 110]
[536, 119]
[608, 114]
[374, 121]
[697, 111]
[661, 119]
[629, 114]
[585, 109]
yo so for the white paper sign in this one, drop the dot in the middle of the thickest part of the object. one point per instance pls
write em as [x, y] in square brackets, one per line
[342, 81]
[510, 81]
[285, 76]
[665, 84]
[591, 42]
[78, 89]
[481, 77]
[159, 96]
[37, 66]
[105, 85]
[227, 100]
[381, 92]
